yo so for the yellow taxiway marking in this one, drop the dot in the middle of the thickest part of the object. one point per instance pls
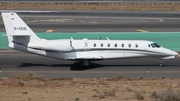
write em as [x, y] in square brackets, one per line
[49, 30]
[161, 20]
[142, 30]
[7, 50]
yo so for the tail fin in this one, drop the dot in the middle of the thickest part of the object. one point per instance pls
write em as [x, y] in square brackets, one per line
[17, 30]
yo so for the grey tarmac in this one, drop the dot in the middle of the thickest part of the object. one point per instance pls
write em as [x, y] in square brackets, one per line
[100, 21]
[13, 62]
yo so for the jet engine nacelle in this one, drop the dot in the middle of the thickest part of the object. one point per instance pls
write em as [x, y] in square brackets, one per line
[58, 45]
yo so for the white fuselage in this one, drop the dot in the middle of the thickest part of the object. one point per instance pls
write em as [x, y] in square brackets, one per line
[95, 49]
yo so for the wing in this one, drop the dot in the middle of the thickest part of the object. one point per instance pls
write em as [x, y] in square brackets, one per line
[84, 58]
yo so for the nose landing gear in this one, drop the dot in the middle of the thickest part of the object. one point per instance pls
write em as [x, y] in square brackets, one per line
[160, 63]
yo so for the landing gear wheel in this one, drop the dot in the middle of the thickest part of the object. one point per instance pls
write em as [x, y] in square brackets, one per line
[160, 63]
[84, 63]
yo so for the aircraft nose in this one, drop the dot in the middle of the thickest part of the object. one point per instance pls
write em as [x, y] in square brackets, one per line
[174, 53]
[171, 53]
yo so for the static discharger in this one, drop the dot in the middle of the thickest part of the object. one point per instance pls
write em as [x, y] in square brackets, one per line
[147, 70]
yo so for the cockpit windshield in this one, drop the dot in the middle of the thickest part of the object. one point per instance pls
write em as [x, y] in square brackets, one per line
[153, 45]
[156, 45]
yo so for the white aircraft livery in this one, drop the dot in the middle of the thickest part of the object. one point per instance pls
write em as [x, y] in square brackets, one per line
[22, 38]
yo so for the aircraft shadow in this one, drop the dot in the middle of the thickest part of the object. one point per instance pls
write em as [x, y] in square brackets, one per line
[76, 67]
[73, 67]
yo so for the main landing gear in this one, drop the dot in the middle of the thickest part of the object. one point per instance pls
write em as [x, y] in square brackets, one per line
[160, 63]
[84, 63]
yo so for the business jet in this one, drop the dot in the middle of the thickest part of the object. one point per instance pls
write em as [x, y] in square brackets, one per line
[22, 38]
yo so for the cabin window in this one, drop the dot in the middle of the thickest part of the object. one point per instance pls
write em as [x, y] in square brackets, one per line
[149, 45]
[115, 45]
[108, 45]
[101, 45]
[122, 45]
[136, 45]
[94, 45]
[129, 45]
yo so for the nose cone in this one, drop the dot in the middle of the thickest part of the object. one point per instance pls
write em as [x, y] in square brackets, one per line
[168, 52]
[174, 53]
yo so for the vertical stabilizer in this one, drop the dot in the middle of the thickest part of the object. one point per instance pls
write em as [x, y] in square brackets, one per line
[17, 30]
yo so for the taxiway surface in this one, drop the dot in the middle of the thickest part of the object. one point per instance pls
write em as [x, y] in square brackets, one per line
[100, 21]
